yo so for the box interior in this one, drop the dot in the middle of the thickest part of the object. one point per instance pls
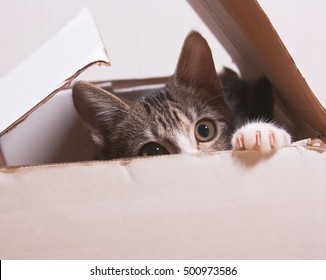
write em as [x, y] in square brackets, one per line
[58, 134]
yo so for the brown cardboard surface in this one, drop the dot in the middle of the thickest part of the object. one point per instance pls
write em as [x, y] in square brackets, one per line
[252, 42]
[2, 161]
[219, 206]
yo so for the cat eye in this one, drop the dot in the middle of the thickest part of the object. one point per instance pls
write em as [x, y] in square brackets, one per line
[153, 149]
[205, 130]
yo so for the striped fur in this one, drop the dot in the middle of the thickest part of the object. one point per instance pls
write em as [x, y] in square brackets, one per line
[120, 128]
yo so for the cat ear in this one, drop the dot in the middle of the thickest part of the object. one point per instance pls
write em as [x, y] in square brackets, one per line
[196, 67]
[97, 108]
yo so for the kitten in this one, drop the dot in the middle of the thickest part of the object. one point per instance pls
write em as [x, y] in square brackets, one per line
[197, 111]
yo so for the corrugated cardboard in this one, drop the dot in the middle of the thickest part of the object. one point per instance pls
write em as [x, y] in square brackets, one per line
[219, 206]
[225, 205]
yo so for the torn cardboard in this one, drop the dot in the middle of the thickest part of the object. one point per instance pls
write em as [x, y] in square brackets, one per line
[50, 69]
[52, 132]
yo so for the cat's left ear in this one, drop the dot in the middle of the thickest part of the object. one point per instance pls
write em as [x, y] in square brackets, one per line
[196, 67]
[98, 109]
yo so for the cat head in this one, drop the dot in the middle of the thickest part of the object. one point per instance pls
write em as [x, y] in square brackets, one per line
[188, 116]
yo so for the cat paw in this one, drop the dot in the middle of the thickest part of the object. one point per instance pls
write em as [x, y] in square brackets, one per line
[260, 136]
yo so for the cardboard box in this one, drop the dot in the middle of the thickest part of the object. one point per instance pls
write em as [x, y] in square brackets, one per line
[37, 115]
[224, 205]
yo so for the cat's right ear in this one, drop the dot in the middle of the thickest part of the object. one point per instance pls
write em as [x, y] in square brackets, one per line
[97, 108]
[196, 67]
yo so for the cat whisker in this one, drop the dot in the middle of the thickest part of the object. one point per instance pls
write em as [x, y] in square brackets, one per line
[214, 97]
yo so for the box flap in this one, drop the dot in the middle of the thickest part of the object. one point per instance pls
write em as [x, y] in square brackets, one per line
[249, 37]
[51, 68]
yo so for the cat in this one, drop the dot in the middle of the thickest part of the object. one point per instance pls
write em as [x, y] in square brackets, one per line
[197, 111]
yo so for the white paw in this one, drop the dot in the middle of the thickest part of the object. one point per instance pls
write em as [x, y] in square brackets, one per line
[260, 136]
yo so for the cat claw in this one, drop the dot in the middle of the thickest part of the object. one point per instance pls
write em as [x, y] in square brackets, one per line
[260, 136]
[258, 139]
[240, 142]
[272, 140]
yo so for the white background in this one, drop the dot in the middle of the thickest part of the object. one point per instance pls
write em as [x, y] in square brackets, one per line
[144, 37]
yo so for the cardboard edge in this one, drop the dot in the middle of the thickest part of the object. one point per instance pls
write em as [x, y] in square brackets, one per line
[66, 84]
[291, 61]
[120, 84]
[231, 18]
[2, 161]
[316, 145]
